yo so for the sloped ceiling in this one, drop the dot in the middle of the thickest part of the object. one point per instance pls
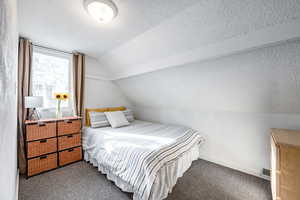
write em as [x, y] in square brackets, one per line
[265, 80]
[151, 35]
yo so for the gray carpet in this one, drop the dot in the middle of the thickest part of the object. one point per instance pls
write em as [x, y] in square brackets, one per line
[203, 181]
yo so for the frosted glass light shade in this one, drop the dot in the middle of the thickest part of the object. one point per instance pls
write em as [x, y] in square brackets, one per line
[103, 11]
[33, 102]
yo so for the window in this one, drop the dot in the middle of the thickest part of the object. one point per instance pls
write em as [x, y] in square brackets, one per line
[51, 73]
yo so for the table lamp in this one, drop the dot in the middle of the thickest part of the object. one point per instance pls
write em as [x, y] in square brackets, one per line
[33, 102]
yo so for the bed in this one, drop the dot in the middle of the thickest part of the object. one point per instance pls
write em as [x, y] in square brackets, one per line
[143, 158]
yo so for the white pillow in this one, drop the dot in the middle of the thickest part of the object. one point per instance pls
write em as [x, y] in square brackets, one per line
[116, 119]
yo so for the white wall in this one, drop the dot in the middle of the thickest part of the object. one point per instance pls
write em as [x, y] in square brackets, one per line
[98, 91]
[8, 112]
[233, 100]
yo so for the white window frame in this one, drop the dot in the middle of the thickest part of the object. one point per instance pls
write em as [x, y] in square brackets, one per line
[56, 53]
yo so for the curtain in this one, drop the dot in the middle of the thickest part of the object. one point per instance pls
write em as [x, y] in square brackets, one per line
[24, 68]
[78, 82]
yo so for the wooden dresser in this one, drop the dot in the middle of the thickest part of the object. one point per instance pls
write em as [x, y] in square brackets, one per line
[285, 164]
[52, 143]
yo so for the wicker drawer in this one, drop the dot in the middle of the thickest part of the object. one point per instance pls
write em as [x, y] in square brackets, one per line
[40, 131]
[70, 155]
[41, 164]
[41, 147]
[68, 127]
[69, 141]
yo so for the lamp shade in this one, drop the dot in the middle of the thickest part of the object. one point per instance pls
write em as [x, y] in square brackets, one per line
[33, 101]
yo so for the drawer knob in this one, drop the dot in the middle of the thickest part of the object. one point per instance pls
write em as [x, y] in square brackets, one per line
[70, 150]
[43, 141]
[69, 122]
[42, 124]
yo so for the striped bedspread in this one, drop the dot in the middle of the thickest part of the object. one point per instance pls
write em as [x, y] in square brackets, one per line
[135, 153]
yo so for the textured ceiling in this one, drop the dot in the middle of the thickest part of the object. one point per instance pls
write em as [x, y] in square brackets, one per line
[65, 24]
[151, 35]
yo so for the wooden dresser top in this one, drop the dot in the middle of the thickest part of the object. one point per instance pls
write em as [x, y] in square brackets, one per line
[286, 136]
[51, 120]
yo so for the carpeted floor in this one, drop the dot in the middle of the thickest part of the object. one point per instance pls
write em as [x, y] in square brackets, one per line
[203, 181]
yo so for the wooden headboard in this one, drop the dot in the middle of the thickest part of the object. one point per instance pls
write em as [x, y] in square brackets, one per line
[87, 110]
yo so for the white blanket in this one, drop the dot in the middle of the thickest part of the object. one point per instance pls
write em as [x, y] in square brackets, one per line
[134, 154]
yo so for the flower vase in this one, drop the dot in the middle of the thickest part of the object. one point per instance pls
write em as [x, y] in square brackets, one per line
[58, 110]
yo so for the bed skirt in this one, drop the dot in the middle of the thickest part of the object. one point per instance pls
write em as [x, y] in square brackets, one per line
[166, 177]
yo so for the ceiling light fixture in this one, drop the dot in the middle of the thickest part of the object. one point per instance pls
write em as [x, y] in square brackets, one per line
[103, 11]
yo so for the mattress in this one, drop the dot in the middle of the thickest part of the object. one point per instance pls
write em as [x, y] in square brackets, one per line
[143, 158]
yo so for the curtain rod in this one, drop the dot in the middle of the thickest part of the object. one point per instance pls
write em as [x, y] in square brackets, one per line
[67, 52]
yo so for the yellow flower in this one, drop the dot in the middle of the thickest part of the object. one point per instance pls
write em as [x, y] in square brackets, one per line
[65, 96]
[58, 96]
[61, 96]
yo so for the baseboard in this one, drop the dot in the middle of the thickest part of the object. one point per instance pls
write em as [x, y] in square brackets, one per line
[17, 186]
[246, 171]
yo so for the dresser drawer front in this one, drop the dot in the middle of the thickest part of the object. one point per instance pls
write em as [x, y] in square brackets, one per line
[286, 194]
[41, 147]
[69, 141]
[42, 164]
[290, 158]
[70, 155]
[69, 127]
[40, 131]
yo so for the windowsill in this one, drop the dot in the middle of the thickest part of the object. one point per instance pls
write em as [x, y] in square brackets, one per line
[47, 113]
